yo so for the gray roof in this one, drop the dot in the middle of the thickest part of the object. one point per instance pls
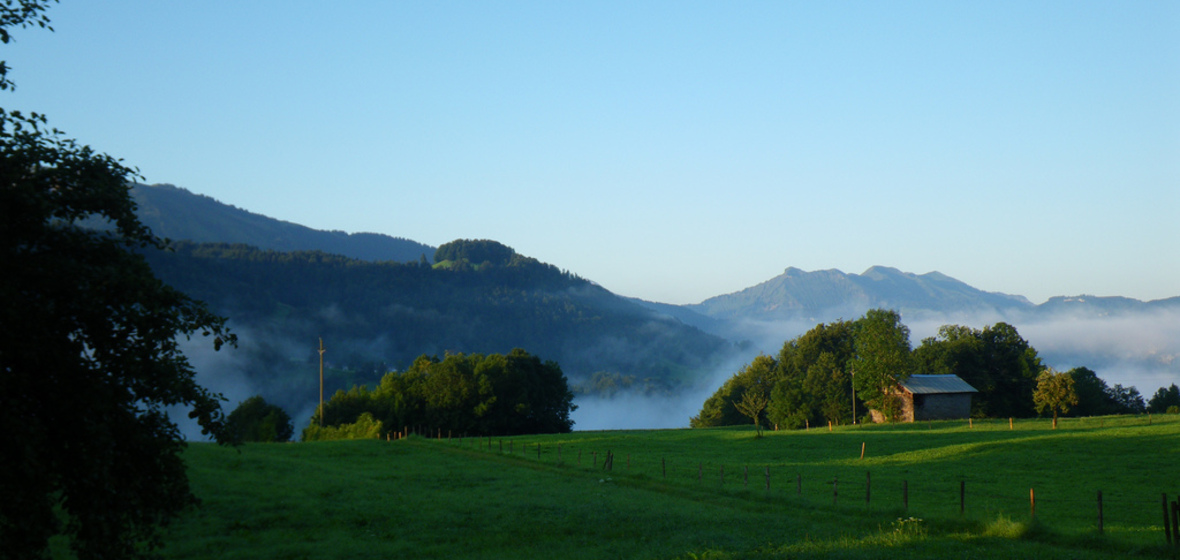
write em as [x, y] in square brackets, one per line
[930, 384]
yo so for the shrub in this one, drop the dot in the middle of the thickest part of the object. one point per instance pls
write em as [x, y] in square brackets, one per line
[365, 427]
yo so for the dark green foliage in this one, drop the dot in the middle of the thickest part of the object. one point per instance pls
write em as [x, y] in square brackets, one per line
[882, 345]
[1164, 398]
[722, 408]
[815, 385]
[996, 361]
[469, 394]
[811, 382]
[1094, 396]
[813, 375]
[256, 420]
[89, 350]
[1127, 400]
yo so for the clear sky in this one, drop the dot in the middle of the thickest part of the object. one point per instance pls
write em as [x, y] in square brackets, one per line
[671, 151]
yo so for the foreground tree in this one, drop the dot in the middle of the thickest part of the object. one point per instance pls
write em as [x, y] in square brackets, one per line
[1054, 392]
[883, 360]
[89, 350]
[752, 404]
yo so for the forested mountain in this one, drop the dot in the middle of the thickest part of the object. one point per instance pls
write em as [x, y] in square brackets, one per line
[377, 316]
[176, 213]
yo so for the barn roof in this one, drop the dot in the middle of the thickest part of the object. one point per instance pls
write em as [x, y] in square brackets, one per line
[933, 384]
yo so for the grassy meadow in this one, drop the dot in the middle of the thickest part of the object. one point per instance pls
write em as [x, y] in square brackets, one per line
[687, 494]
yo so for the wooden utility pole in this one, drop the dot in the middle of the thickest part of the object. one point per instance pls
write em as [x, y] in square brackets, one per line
[321, 383]
[853, 376]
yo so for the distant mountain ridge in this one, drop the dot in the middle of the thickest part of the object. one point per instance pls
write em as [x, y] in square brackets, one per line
[825, 295]
[179, 214]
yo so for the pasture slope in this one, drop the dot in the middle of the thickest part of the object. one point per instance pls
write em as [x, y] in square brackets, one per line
[931, 490]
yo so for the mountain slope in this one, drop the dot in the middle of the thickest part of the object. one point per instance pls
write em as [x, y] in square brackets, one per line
[176, 213]
[378, 316]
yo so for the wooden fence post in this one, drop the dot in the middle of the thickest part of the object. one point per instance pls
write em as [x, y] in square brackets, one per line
[1032, 503]
[1175, 524]
[868, 486]
[862, 450]
[768, 478]
[1167, 518]
[664, 466]
[835, 489]
[1099, 512]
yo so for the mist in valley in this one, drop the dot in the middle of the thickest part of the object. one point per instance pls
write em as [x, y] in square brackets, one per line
[1138, 349]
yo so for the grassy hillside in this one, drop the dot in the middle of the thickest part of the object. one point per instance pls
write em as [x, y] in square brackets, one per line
[461, 499]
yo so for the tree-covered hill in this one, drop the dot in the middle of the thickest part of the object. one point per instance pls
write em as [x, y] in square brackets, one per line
[379, 316]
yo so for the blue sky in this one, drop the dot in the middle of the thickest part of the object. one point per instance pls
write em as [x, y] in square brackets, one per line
[671, 151]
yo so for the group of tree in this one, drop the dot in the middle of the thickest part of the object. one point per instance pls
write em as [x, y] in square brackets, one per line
[1166, 399]
[471, 394]
[814, 376]
[837, 372]
[90, 354]
[255, 420]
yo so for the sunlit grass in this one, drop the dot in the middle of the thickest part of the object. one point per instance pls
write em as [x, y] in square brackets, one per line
[692, 494]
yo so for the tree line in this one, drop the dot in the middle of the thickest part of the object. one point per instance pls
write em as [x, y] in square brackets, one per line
[471, 394]
[836, 372]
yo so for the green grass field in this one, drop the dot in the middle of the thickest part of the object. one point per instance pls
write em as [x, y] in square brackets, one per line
[686, 494]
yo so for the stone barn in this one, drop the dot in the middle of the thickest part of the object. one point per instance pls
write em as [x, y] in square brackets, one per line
[932, 397]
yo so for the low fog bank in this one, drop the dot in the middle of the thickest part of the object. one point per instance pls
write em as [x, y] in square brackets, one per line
[228, 372]
[637, 411]
[633, 412]
[1131, 349]
[1139, 349]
